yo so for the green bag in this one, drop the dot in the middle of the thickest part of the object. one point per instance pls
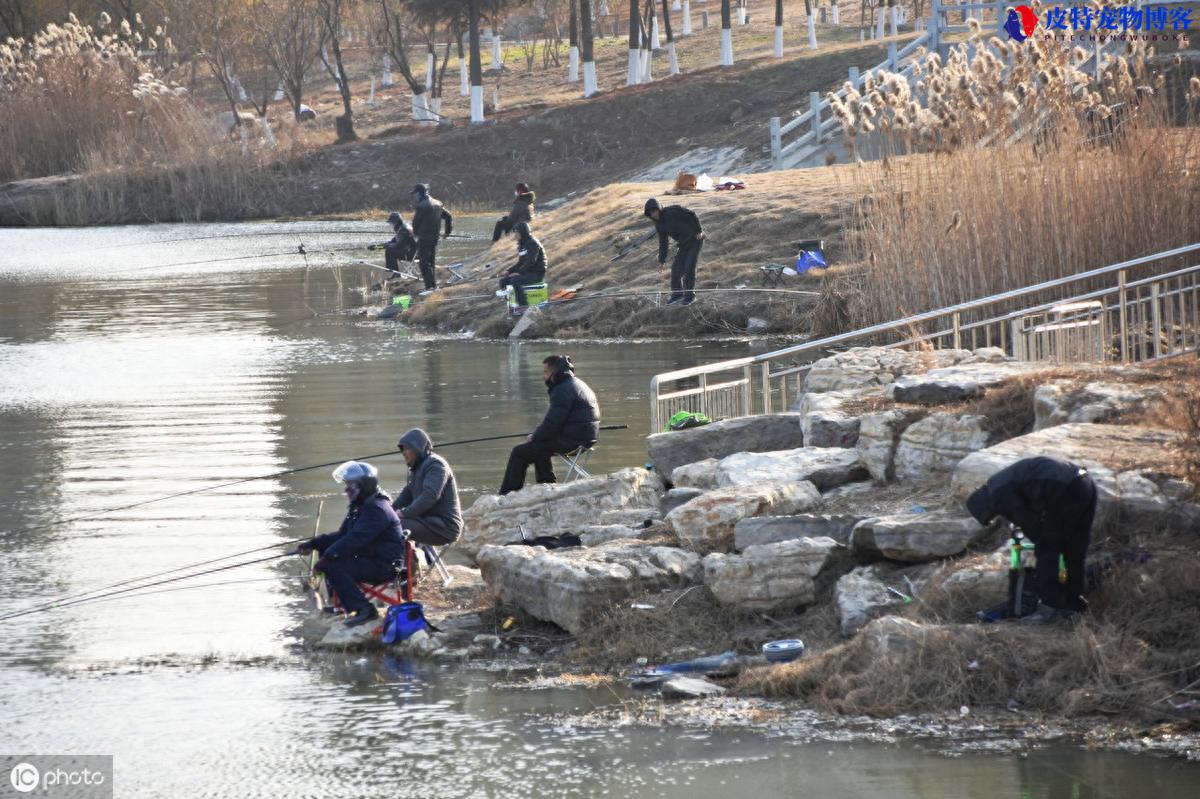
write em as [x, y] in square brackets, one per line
[685, 419]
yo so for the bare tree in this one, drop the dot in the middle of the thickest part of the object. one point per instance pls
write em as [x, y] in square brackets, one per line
[332, 13]
[288, 34]
[635, 24]
[588, 54]
[476, 65]
[726, 35]
[573, 53]
[671, 57]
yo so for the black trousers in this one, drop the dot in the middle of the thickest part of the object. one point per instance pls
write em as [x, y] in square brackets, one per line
[683, 270]
[519, 281]
[1068, 536]
[426, 255]
[539, 453]
[343, 574]
[422, 533]
[503, 228]
[394, 253]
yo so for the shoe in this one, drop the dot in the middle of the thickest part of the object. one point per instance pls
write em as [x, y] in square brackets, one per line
[501, 293]
[362, 616]
[673, 300]
[1046, 614]
[688, 301]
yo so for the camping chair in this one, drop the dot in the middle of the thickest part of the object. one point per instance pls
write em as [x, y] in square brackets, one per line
[433, 560]
[456, 275]
[576, 462]
[393, 592]
[772, 274]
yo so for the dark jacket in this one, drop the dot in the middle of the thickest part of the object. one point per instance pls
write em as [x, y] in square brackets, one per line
[679, 223]
[431, 494]
[531, 258]
[404, 243]
[428, 217]
[574, 414]
[1032, 494]
[522, 208]
[371, 529]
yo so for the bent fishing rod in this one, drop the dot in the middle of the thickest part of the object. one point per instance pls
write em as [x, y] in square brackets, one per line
[275, 475]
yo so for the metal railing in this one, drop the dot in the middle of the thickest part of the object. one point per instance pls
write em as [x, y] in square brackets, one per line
[1138, 310]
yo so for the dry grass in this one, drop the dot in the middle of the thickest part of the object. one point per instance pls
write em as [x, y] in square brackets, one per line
[1179, 412]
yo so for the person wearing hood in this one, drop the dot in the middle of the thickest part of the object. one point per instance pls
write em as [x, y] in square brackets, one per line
[682, 225]
[428, 216]
[1053, 502]
[530, 268]
[573, 420]
[368, 545]
[428, 506]
[402, 247]
[522, 211]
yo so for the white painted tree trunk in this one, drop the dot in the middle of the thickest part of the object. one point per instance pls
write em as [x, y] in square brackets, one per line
[573, 65]
[677, 6]
[420, 107]
[495, 99]
[279, 95]
[387, 71]
[779, 41]
[672, 58]
[497, 55]
[647, 60]
[435, 105]
[476, 103]
[589, 78]
[266, 130]
[430, 66]
[726, 47]
[879, 29]
[464, 78]
[895, 20]
[655, 38]
[635, 67]
[741, 15]
[837, 19]
[371, 96]
[687, 17]
[812, 31]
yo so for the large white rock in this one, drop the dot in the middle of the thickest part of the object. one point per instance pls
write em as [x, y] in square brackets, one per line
[916, 537]
[958, 383]
[936, 443]
[858, 595]
[879, 436]
[701, 474]
[827, 418]
[861, 367]
[706, 523]
[773, 529]
[764, 433]
[769, 576]
[981, 583]
[554, 508]
[1062, 403]
[571, 587]
[824, 467]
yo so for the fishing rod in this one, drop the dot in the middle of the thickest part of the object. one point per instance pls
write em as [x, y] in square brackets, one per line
[298, 251]
[72, 603]
[247, 234]
[274, 475]
[633, 245]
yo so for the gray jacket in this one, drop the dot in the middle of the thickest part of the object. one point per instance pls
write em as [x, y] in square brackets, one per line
[431, 494]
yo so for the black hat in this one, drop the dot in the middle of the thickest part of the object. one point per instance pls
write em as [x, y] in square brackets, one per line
[420, 188]
[522, 188]
[651, 205]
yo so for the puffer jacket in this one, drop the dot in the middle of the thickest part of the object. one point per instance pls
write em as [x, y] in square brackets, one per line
[531, 258]
[371, 529]
[573, 418]
[431, 494]
[522, 208]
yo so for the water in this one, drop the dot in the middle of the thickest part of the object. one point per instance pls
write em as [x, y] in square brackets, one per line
[124, 378]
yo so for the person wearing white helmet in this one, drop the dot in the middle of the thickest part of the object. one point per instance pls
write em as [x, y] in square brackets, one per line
[366, 547]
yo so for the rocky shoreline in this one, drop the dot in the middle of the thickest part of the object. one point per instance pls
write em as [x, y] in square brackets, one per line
[841, 522]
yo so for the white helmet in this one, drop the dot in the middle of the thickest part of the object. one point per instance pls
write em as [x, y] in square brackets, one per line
[366, 475]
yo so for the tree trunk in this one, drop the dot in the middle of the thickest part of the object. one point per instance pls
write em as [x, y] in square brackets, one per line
[811, 21]
[476, 62]
[779, 28]
[588, 54]
[635, 59]
[726, 35]
[573, 52]
[672, 59]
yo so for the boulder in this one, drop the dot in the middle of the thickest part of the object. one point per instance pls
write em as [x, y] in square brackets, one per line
[701, 474]
[764, 433]
[936, 443]
[773, 529]
[892, 637]
[823, 467]
[769, 576]
[858, 595]
[958, 383]
[597, 534]
[571, 587]
[706, 523]
[915, 537]
[690, 688]
[879, 435]
[553, 508]
[982, 583]
[826, 418]
[676, 497]
[1063, 403]
[862, 367]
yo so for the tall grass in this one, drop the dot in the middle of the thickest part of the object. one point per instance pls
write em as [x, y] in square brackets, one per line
[979, 210]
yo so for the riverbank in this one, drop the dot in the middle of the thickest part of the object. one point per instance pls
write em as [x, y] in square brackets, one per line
[841, 523]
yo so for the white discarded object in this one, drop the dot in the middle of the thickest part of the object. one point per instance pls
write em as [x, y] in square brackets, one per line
[704, 183]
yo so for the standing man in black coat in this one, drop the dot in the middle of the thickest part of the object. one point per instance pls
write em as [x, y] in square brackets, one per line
[530, 267]
[428, 215]
[1053, 501]
[683, 226]
[573, 420]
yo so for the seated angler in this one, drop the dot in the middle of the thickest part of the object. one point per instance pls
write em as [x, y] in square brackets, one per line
[428, 506]
[530, 268]
[402, 247]
[573, 420]
[367, 545]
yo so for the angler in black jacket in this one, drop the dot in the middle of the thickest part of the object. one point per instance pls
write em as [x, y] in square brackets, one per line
[683, 226]
[1053, 501]
[402, 247]
[365, 547]
[428, 506]
[530, 267]
[428, 215]
[522, 211]
[572, 420]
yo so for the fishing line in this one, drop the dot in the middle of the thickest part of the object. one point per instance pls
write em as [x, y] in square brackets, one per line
[246, 234]
[273, 475]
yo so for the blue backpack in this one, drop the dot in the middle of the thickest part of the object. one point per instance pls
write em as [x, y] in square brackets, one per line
[401, 621]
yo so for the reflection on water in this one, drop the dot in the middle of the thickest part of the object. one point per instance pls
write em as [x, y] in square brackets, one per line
[123, 380]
